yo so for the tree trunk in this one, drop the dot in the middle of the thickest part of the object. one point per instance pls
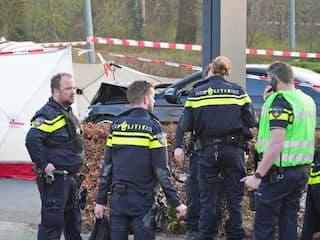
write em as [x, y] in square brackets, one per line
[187, 21]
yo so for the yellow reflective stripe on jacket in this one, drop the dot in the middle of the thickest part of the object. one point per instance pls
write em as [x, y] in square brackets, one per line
[314, 177]
[50, 126]
[155, 143]
[196, 102]
[286, 115]
[297, 116]
[134, 139]
[109, 141]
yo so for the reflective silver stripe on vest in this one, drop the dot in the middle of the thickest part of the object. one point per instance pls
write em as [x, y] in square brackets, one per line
[264, 111]
[303, 115]
[287, 144]
[296, 157]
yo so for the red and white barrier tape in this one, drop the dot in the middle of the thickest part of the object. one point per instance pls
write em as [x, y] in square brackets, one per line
[66, 44]
[14, 123]
[282, 53]
[158, 61]
[130, 57]
[180, 65]
[180, 46]
[140, 43]
[34, 51]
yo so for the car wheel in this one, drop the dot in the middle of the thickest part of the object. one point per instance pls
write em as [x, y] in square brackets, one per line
[103, 119]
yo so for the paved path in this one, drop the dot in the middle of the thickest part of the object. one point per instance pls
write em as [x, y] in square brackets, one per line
[20, 209]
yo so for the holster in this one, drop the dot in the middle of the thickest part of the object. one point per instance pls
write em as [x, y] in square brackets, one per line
[81, 193]
[155, 218]
[274, 174]
[193, 146]
[252, 200]
[40, 182]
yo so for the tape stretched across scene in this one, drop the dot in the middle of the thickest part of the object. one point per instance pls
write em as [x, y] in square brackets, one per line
[179, 46]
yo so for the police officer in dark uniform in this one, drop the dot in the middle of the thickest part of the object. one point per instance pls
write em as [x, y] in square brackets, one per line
[192, 186]
[55, 146]
[311, 224]
[217, 110]
[135, 163]
[192, 189]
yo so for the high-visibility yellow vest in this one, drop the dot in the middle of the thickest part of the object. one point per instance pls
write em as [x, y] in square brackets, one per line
[298, 147]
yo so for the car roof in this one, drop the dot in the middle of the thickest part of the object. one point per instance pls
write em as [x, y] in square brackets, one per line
[301, 74]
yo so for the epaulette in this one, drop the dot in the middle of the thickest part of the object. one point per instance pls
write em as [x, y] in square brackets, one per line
[153, 117]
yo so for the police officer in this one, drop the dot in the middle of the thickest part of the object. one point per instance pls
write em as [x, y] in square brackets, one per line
[311, 222]
[55, 144]
[135, 163]
[216, 111]
[192, 189]
[286, 145]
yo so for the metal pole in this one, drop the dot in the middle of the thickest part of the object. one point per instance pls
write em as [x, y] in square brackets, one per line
[87, 12]
[211, 32]
[292, 26]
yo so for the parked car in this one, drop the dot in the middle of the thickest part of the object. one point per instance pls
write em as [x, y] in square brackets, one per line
[110, 99]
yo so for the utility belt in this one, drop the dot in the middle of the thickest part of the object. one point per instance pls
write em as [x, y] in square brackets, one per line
[44, 179]
[275, 173]
[231, 139]
[121, 188]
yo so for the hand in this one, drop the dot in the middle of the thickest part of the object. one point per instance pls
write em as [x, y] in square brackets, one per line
[179, 155]
[182, 210]
[99, 211]
[251, 182]
[267, 92]
[49, 168]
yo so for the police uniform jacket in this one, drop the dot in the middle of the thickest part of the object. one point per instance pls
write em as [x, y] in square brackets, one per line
[54, 138]
[216, 108]
[137, 150]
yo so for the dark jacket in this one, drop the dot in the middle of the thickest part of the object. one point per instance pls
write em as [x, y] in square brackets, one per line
[137, 150]
[217, 108]
[54, 137]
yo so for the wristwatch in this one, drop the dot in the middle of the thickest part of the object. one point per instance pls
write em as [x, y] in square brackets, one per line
[257, 175]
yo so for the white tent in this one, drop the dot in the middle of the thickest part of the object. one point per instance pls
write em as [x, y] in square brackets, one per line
[25, 87]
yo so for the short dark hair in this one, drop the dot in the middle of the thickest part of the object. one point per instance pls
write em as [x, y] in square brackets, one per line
[56, 79]
[281, 70]
[137, 90]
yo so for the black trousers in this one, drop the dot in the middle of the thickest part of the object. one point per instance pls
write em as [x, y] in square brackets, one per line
[311, 222]
[59, 211]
